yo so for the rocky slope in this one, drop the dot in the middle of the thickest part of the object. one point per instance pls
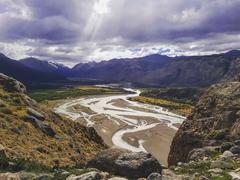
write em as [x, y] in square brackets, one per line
[215, 121]
[29, 131]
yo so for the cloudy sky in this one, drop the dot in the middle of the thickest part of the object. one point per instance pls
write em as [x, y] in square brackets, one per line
[72, 31]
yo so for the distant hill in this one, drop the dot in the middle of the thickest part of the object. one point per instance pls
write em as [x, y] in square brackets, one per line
[45, 66]
[158, 70]
[24, 73]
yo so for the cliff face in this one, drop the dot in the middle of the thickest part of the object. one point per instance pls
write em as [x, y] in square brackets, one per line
[29, 131]
[215, 119]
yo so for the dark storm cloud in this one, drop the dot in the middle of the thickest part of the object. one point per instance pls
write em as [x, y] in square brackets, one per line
[95, 28]
[52, 29]
[53, 21]
[171, 20]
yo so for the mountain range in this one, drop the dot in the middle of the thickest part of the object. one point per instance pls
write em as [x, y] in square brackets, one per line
[27, 73]
[153, 70]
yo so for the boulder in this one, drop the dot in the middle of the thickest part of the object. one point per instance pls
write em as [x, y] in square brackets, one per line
[117, 178]
[235, 149]
[44, 177]
[26, 175]
[197, 154]
[170, 175]
[227, 154]
[124, 163]
[40, 125]
[203, 178]
[93, 175]
[216, 171]
[154, 176]
[9, 176]
[237, 142]
[234, 175]
[35, 113]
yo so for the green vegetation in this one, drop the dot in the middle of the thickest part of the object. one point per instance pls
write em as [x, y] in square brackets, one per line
[173, 105]
[218, 134]
[63, 93]
[201, 167]
[19, 164]
[184, 95]
[225, 176]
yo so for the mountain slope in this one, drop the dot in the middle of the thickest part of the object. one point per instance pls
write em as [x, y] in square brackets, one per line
[157, 70]
[30, 131]
[46, 67]
[215, 120]
[130, 70]
[23, 73]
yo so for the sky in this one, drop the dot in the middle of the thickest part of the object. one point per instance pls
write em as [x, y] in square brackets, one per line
[74, 31]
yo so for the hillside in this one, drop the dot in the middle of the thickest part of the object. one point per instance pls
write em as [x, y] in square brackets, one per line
[158, 70]
[35, 133]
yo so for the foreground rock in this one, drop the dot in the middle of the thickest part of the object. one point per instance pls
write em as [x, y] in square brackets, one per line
[216, 117]
[125, 163]
[93, 175]
[9, 176]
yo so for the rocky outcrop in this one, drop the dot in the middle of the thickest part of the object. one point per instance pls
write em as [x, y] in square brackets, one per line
[11, 85]
[216, 118]
[125, 163]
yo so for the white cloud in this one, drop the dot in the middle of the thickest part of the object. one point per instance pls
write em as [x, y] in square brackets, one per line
[73, 31]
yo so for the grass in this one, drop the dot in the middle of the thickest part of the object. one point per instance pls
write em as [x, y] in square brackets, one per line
[23, 139]
[63, 93]
[201, 167]
[173, 105]
[22, 164]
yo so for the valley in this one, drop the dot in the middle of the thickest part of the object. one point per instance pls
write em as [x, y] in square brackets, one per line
[125, 124]
[119, 90]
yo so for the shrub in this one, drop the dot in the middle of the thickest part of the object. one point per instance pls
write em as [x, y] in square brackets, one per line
[22, 164]
[218, 134]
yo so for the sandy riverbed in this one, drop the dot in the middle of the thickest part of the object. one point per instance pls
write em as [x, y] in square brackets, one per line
[126, 124]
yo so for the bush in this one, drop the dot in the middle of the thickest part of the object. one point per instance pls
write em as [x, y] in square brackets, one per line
[14, 165]
[218, 134]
